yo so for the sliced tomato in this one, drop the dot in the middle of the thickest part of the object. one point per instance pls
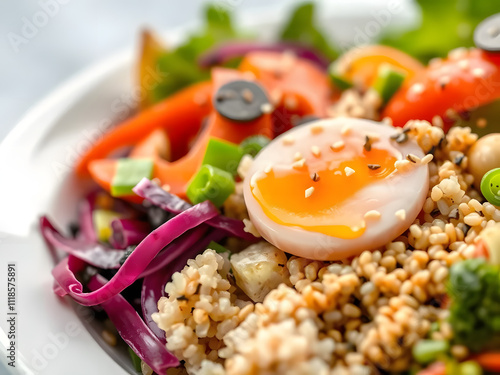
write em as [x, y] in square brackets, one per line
[296, 86]
[462, 82]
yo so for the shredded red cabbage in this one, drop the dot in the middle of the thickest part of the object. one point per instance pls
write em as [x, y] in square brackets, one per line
[133, 330]
[95, 254]
[153, 285]
[136, 263]
[226, 52]
[127, 232]
[172, 203]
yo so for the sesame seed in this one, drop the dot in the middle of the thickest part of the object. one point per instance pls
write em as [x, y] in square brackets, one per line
[458, 53]
[266, 108]
[337, 145]
[316, 151]
[338, 173]
[299, 163]
[401, 165]
[372, 214]
[368, 145]
[463, 64]
[417, 88]
[349, 171]
[346, 129]
[481, 122]
[309, 191]
[387, 121]
[268, 169]
[427, 159]
[297, 156]
[459, 159]
[247, 95]
[478, 72]
[374, 167]
[315, 177]
[412, 158]
[316, 129]
[401, 214]
[402, 138]
[288, 140]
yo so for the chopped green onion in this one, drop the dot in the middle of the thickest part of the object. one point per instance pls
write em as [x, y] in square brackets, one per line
[223, 155]
[388, 81]
[252, 145]
[219, 249]
[336, 77]
[129, 173]
[426, 351]
[469, 368]
[210, 183]
[136, 361]
[102, 223]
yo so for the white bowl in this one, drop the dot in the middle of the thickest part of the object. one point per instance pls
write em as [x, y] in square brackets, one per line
[36, 179]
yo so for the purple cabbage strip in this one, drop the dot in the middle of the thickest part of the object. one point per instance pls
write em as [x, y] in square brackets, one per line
[175, 249]
[127, 232]
[136, 263]
[172, 203]
[134, 331]
[226, 52]
[153, 285]
[95, 254]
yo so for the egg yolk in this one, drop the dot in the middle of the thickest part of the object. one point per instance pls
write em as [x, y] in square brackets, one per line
[281, 192]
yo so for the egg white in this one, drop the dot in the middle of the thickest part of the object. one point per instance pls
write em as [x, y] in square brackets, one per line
[402, 190]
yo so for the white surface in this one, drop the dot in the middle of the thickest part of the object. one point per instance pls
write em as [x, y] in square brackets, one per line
[35, 160]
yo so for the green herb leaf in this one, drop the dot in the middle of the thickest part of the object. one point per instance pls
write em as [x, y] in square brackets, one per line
[180, 66]
[474, 290]
[302, 29]
[446, 24]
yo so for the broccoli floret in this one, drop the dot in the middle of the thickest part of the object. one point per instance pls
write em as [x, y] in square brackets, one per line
[474, 290]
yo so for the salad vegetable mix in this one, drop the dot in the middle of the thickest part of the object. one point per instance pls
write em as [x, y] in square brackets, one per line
[285, 208]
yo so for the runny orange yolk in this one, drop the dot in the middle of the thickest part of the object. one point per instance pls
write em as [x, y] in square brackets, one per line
[281, 192]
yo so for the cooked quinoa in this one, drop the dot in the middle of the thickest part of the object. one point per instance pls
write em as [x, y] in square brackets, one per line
[348, 317]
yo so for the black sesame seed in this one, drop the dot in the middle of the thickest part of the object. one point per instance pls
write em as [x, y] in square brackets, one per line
[315, 177]
[374, 166]
[411, 158]
[480, 213]
[458, 160]
[368, 144]
[435, 212]
[182, 298]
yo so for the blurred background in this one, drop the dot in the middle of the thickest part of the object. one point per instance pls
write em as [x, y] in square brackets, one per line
[44, 42]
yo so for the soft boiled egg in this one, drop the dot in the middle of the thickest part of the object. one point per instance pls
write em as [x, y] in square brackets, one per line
[332, 188]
